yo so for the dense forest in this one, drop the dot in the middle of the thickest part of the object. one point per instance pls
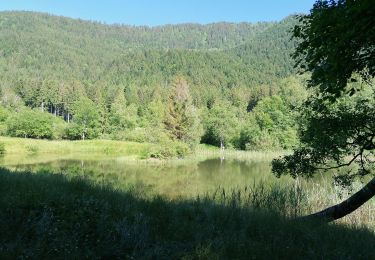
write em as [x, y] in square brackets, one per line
[178, 85]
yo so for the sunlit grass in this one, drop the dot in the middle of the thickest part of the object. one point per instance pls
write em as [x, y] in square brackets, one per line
[211, 151]
[320, 195]
[23, 150]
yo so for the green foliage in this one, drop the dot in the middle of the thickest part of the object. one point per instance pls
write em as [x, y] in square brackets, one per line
[73, 132]
[332, 133]
[59, 128]
[122, 116]
[143, 135]
[270, 126]
[252, 138]
[182, 122]
[133, 96]
[221, 125]
[86, 118]
[338, 118]
[169, 149]
[4, 113]
[88, 52]
[31, 123]
[335, 55]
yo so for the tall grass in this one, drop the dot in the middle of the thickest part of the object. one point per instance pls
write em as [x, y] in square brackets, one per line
[44, 216]
[205, 151]
[293, 200]
[322, 195]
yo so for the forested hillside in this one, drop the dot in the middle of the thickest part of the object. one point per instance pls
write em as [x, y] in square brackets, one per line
[189, 83]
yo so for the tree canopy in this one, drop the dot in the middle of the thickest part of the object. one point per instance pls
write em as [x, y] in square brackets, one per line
[123, 82]
[337, 44]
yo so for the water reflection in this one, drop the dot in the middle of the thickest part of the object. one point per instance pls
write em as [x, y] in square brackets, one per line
[171, 179]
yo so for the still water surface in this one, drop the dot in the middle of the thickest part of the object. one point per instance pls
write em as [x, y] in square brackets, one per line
[173, 179]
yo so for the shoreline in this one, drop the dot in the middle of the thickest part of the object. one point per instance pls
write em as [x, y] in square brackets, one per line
[100, 149]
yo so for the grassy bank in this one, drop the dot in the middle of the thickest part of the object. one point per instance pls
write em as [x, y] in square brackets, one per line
[205, 151]
[49, 216]
[22, 150]
[25, 150]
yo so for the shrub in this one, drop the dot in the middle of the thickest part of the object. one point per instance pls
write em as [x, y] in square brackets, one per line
[75, 132]
[4, 113]
[3, 129]
[142, 135]
[32, 124]
[253, 139]
[169, 149]
[85, 118]
[59, 128]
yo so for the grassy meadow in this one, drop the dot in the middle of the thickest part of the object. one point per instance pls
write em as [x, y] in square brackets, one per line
[25, 150]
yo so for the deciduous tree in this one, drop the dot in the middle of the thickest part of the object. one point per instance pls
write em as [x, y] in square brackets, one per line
[337, 45]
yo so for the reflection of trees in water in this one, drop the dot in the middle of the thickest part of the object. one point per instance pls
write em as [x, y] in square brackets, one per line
[185, 179]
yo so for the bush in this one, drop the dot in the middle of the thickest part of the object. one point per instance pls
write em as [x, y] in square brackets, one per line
[3, 129]
[31, 124]
[59, 128]
[85, 119]
[74, 132]
[142, 135]
[270, 126]
[4, 113]
[221, 124]
[169, 149]
[254, 139]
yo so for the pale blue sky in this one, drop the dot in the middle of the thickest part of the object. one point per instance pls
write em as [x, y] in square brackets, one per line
[158, 12]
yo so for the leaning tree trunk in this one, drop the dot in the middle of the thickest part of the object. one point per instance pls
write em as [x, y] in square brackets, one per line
[347, 206]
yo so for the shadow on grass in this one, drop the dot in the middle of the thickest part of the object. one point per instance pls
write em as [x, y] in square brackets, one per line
[49, 216]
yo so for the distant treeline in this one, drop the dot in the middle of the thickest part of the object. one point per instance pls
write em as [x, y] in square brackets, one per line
[230, 84]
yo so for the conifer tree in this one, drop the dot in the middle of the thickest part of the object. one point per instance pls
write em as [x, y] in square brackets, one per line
[182, 122]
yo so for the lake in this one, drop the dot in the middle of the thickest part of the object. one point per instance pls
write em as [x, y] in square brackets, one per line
[178, 178]
[248, 174]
